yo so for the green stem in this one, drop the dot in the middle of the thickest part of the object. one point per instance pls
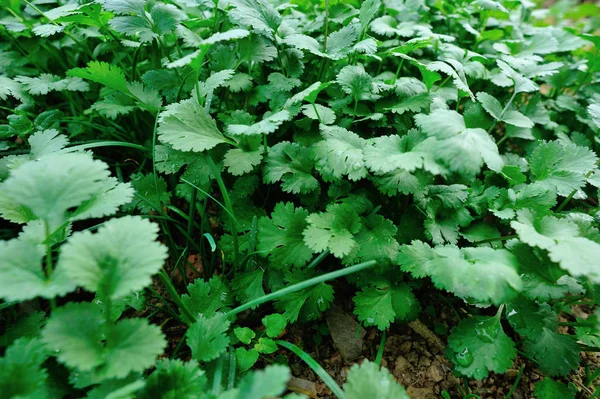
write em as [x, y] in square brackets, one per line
[164, 277]
[508, 104]
[516, 383]
[301, 285]
[326, 25]
[398, 70]
[105, 144]
[572, 194]
[229, 206]
[493, 239]
[591, 378]
[318, 259]
[316, 367]
[49, 265]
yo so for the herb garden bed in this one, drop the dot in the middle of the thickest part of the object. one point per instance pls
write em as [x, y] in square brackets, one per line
[315, 198]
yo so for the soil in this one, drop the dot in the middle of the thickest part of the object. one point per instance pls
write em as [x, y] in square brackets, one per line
[413, 352]
[416, 360]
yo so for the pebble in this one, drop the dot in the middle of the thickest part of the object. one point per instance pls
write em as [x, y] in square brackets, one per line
[435, 372]
[405, 347]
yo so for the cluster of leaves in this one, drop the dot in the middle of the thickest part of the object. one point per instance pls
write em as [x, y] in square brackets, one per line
[453, 144]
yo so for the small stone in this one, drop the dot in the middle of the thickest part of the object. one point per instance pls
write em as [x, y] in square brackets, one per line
[511, 373]
[343, 332]
[413, 357]
[424, 361]
[403, 371]
[405, 347]
[302, 386]
[435, 372]
[534, 376]
[421, 393]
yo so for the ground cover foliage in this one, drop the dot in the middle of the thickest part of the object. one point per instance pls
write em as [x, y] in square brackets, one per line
[399, 146]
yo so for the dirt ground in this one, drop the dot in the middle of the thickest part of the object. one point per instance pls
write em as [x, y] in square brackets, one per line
[414, 355]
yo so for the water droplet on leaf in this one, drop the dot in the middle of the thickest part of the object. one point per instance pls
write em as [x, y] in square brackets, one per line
[357, 166]
[464, 358]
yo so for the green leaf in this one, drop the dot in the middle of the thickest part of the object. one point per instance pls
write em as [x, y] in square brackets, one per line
[248, 285]
[478, 345]
[306, 304]
[319, 113]
[104, 73]
[173, 378]
[55, 183]
[265, 345]
[207, 297]
[369, 380]
[244, 334]
[464, 150]
[82, 340]
[415, 103]
[340, 154]
[550, 389]
[409, 153]
[260, 15]
[375, 241]
[23, 276]
[529, 318]
[119, 259]
[274, 324]
[594, 111]
[562, 239]
[245, 358]
[374, 307]
[483, 274]
[280, 237]
[333, 230]
[46, 142]
[207, 337]
[355, 81]
[151, 192]
[268, 383]
[561, 168]
[21, 372]
[556, 354]
[239, 162]
[187, 127]
[265, 126]
[490, 104]
[292, 165]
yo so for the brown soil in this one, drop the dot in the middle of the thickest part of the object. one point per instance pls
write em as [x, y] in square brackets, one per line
[418, 363]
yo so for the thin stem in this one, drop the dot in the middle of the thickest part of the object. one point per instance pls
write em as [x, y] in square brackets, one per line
[301, 285]
[326, 25]
[398, 70]
[493, 239]
[229, 206]
[49, 265]
[98, 144]
[572, 194]
[218, 377]
[164, 277]
[315, 366]
[318, 259]
[516, 383]
[231, 377]
[591, 378]
[508, 104]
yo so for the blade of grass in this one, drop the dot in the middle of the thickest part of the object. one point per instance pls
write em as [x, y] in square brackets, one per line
[300, 286]
[315, 366]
